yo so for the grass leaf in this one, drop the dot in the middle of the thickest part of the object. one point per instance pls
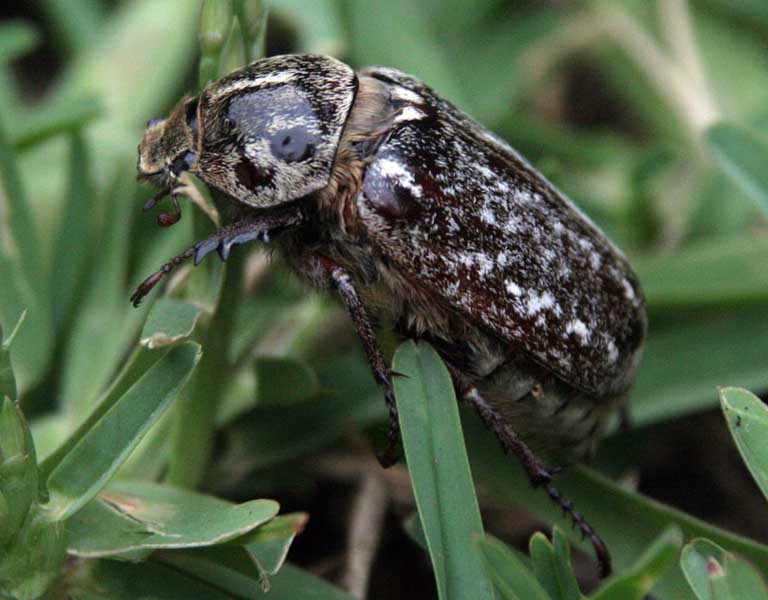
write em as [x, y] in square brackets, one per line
[437, 461]
[169, 321]
[552, 565]
[105, 443]
[510, 576]
[137, 517]
[635, 582]
[742, 155]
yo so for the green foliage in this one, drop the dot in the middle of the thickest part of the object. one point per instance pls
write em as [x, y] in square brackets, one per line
[715, 574]
[437, 461]
[236, 379]
[747, 418]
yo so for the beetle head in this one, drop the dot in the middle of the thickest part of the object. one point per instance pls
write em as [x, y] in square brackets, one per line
[168, 146]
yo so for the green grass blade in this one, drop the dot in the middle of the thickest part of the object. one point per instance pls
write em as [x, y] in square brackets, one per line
[680, 371]
[627, 521]
[74, 241]
[552, 565]
[119, 580]
[747, 418]
[86, 468]
[635, 582]
[23, 276]
[317, 24]
[712, 275]
[512, 579]
[169, 321]
[437, 461]
[7, 376]
[291, 583]
[742, 154]
[136, 518]
[64, 115]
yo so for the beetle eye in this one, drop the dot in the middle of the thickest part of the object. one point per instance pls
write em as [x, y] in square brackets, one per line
[183, 162]
[292, 145]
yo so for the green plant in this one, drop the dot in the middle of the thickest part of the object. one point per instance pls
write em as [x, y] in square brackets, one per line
[125, 407]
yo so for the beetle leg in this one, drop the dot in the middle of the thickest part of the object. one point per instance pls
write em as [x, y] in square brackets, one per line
[537, 472]
[252, 228]
[381, 372]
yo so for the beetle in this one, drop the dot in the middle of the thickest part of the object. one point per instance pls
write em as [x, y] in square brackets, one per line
[423, 221]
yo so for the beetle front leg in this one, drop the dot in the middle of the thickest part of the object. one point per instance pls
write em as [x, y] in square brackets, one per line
[256, 226]
[381, 372]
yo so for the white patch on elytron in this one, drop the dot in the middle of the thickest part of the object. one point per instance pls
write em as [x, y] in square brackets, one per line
[578, 328]
[537, 303]
[488, 215]
[513, 288]
[629, 291]
[404, 177]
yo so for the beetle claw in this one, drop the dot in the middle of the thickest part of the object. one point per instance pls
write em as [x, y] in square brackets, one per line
[204, 248]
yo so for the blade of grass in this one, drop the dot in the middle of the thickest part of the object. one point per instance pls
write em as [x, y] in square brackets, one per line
[65, 115]
[636, 581]
[24, 275]
[134, 518]
[73, 239]
[552, 565]
[680, 371]
[715, 275]
[437, 461]
[742, 154]
[86, 468]
[628, 522]
[701, 557]
[510, 576]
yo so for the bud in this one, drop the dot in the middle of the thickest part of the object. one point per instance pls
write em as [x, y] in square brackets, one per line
[18, 469]
[33, 559]
[215, 25]
[7, 379]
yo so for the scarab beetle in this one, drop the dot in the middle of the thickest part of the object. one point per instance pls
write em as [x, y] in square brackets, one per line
[422, 220]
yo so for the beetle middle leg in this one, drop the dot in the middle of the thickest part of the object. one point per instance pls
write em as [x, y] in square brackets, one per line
[381, 372]
[537, 472]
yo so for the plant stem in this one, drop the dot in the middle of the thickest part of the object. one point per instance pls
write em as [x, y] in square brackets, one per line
[197, 408]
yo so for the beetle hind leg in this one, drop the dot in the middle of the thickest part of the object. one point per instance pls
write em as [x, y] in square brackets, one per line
[538, 473]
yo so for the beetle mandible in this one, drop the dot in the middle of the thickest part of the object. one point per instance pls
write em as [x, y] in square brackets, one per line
[370, 183]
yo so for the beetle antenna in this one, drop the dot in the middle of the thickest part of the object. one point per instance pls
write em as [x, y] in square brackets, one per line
[152, 202]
